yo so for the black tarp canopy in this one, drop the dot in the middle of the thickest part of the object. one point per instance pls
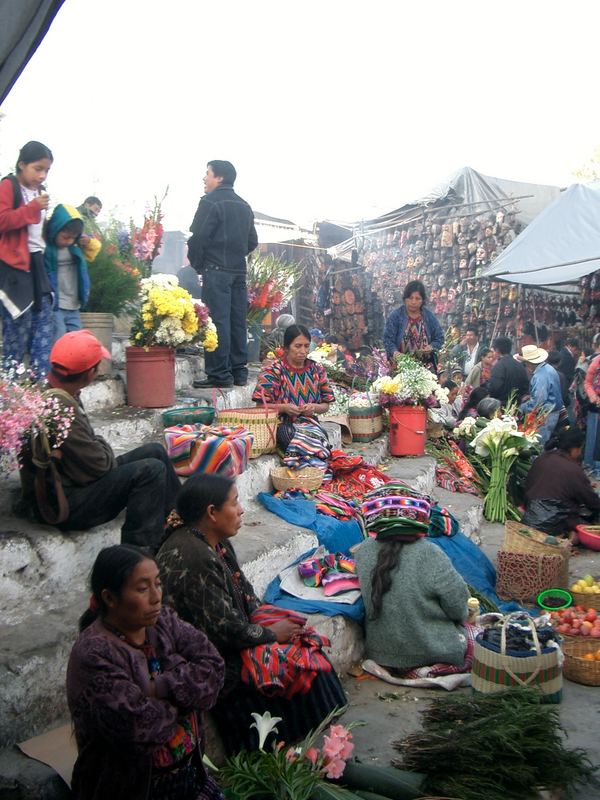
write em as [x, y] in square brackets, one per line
[23, 25]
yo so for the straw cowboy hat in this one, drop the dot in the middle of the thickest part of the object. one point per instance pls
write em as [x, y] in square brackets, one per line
[533, 354]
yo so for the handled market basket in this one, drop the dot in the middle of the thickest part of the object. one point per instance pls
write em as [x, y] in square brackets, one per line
[494, 671]
[366, 422]
[519, 538]
[262, 423]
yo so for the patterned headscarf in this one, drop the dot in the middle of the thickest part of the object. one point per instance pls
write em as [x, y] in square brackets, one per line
[395, 512]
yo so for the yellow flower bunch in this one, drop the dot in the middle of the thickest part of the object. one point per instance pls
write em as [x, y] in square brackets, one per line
[389, 385]
[169, 316]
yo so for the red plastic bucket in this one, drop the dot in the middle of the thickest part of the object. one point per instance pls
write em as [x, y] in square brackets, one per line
[408, 430]
[150, 376]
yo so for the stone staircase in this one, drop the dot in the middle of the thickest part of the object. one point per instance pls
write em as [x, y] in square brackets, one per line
[44, 573]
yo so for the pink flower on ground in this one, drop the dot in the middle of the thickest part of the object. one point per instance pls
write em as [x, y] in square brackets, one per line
[332, 747]
[312, 754]
[335, 769]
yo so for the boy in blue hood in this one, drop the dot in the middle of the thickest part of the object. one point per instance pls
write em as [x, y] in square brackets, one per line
[66, 265]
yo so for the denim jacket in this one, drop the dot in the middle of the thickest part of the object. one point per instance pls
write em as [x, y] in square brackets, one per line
[544, 389]
[395, 327]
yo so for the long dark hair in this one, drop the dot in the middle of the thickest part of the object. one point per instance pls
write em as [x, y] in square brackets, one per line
[199, 493]
[388, 559]
[112, 568]
[412, 287]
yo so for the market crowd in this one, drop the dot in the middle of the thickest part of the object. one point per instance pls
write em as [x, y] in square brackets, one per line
[174, 627]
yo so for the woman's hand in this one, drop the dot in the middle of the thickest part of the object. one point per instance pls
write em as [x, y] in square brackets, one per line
[308, 410]
[427, 349]
[290, 409]
[285, 630]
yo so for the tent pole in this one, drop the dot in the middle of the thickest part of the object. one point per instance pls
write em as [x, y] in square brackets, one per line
[537, 341]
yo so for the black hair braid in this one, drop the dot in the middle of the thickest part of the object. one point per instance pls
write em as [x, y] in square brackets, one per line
[388, 559]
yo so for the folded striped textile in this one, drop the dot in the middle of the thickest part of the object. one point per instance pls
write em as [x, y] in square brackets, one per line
[284, 669]
[215, 449]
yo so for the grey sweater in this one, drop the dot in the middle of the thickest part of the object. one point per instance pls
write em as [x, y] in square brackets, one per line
[421, 615]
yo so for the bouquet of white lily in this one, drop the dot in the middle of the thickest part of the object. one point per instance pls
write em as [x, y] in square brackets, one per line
[500, 442]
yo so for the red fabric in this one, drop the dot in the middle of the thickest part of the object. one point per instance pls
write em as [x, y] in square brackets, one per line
[14, 248]
[284, 669]
[352, 476]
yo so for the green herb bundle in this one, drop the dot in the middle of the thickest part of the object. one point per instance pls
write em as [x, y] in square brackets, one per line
[505, 746]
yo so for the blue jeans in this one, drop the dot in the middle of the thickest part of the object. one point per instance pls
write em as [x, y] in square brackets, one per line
[32, 333]
[590, 442]
[226, 296]
[66, 320]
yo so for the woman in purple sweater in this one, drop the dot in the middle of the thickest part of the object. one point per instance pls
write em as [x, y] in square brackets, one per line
[137, 682]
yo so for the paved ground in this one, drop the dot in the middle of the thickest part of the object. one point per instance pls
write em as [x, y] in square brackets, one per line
[392, 712]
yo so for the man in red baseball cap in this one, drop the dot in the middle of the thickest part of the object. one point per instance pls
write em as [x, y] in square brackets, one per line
[98, 485]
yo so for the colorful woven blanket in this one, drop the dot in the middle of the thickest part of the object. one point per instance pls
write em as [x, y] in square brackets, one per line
[217, 449]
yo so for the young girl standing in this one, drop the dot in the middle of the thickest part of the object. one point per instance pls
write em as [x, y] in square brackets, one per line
[25, 292]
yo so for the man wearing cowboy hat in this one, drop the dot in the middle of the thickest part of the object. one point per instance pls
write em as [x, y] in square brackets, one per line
[544, 390]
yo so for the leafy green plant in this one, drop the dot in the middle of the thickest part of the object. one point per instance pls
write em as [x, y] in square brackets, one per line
[114, 284]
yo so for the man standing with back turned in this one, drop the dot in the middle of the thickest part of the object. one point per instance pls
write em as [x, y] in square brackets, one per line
[223, 234]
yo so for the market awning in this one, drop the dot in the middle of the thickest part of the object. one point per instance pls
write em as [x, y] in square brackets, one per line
[559, 247]
[23, 25]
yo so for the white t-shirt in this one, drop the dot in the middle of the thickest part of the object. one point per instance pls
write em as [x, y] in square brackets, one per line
[35, 239]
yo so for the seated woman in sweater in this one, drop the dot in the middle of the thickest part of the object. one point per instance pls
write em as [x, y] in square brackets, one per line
[137, 682]
[203, 581]
[557, 478]
[416, 602]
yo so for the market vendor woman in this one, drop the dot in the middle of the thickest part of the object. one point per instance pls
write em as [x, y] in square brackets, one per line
[298, 389]
[413, 328]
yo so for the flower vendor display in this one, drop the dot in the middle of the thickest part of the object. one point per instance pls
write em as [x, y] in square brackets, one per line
[272, 282]
[167, 318]
[499, 444]
[25, 412]
[138, 247]
[284, 772]
[411, 384]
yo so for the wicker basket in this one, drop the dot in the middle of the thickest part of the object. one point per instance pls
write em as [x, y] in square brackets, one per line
[366, 423]
[260, 421]
[586, 600]
[308, 478]
[188, 415]
[519, 538]
[576, 668]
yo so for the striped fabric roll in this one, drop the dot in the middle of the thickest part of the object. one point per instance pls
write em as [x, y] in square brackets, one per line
[216, 449]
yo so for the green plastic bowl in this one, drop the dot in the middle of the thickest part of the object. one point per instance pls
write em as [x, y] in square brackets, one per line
[189, 415]
[565, 597]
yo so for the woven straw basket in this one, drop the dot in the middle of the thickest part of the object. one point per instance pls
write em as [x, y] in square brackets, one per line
[576, 668]
[366, 423]
[261, 422]
[586, 600]
[519, 538]
[494, 672]
[308, 478]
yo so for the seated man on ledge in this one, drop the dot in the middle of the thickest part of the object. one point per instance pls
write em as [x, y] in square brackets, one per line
[97, 484]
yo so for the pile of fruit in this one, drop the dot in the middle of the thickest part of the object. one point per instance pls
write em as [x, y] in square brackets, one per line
[576, 621]
[586, 585]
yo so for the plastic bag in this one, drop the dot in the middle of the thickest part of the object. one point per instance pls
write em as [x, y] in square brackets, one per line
[549, 516]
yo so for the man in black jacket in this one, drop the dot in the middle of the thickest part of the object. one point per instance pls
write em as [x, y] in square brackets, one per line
[508, 375]
[223, 234]
[569, 356]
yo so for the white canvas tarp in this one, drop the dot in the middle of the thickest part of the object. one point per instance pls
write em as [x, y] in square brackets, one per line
[559, 247]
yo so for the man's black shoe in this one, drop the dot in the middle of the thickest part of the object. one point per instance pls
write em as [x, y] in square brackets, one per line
[207, 383]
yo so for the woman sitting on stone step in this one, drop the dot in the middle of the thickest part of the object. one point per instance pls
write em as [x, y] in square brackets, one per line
[298, 389]
[272, 662]
[137, 682]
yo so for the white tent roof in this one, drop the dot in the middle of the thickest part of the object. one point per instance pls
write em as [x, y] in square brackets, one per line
[559, 247]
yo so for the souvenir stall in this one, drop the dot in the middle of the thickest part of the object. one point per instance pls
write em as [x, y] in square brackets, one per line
[448, 240]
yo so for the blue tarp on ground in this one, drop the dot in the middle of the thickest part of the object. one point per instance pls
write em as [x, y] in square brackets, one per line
[467, 558]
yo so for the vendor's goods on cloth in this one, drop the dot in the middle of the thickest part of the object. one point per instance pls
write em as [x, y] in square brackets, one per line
[216, 449]
[522, 657]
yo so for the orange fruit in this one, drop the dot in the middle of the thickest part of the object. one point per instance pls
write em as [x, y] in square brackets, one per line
[597, 656]
[589, 657]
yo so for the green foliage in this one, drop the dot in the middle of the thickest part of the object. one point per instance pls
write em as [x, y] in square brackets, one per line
[267, 776]
[505, 746]
[114, 285]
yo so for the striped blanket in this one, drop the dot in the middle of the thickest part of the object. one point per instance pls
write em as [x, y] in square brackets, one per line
[217, 449]
[308, 447]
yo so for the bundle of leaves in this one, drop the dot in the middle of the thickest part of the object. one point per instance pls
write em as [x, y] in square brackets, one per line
[114, 284]
[506, 746]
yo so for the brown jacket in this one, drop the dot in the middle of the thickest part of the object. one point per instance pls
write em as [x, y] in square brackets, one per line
[85, 455]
